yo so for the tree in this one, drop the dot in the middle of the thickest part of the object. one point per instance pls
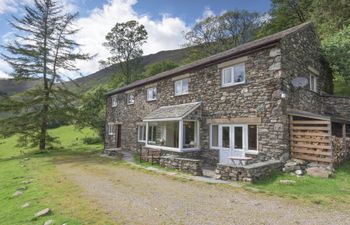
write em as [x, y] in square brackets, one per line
[337, 52]
[285, 14]
[159, 67]
[218, 33]
[124, 42]
[42, 49]
[92, 111]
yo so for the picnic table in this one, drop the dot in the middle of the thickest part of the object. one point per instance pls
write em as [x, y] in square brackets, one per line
[239, 160]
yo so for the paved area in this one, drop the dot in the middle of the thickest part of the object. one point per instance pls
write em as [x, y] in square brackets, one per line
[135, 196]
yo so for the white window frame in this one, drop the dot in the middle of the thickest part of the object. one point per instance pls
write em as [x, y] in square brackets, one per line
[182, 92]
[232, 69]
[114, 101]
[245, 136]
[313, 83]
[149, 91]
[211, 137]
[181, 138]
[141, 128]
[110, 128]
[127, 98]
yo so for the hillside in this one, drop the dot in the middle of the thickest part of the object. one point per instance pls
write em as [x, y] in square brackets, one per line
[82, 84]
[103, 76]
[10, 87]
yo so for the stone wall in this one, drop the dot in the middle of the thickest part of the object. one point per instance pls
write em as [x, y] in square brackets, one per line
[269, 72]
[187, 165]
[337, 106]
[258, 97]
[249, 173]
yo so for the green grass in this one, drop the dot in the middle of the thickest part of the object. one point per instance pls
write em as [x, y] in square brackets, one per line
[48, 188]
[334, 191]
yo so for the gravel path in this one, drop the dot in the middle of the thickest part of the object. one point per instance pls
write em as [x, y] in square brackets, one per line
[134, 196]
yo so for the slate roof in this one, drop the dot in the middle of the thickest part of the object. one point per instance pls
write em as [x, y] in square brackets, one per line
[172, 112]
[237, 51]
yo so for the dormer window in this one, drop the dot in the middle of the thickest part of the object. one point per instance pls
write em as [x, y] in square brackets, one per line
[313, 83]
[233, 75]
[114, 101]
[151, 94]
[130, 99]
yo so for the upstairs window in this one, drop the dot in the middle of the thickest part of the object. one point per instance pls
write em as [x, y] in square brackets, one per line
[313, 83]
[130, 99]
[181, 87]
[151, 94]
[233, 75]
[114, 101]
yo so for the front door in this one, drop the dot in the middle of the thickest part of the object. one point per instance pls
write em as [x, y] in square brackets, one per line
[231, 142]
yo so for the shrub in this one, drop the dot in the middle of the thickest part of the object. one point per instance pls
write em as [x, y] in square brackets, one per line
[92, 140]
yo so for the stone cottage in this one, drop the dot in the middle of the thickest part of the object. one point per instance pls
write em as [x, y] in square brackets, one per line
[269, 99]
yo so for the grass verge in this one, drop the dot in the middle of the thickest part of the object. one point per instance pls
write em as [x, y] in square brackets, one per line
[334, 191]
[45, 186]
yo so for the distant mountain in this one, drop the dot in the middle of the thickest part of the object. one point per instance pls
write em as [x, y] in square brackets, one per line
[104, 76]
[10, 87]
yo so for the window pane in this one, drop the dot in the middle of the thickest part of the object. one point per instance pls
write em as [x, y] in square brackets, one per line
[215, 135]
[227, 75]
[130, 98]
[189, 128]
[184, 86]
[178, 88]
[238, 137]
[252, 137]
[239, 73]
[226, 137]
[154, 93]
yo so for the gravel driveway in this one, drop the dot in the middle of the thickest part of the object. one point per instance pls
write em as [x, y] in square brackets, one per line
[133, 196]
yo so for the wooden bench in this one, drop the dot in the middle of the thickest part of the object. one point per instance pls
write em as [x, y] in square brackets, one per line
[241, 160]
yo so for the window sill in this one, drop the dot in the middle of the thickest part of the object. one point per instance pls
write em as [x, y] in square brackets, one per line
[171, 149]
[130, 104]
[231, 85]
[252, 152]
[176, 95]
[151, 100]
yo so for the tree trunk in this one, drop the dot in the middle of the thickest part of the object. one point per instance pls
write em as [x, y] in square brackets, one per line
[43, 129]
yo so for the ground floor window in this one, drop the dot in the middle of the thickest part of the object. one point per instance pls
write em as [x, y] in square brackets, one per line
[175, 135]
[234, 136]
[141, 133]
[110, 128]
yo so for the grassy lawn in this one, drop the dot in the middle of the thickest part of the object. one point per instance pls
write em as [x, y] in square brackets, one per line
[332, 192]
[48, 188]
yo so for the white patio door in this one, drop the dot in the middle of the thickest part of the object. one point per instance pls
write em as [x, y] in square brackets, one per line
[231, 142]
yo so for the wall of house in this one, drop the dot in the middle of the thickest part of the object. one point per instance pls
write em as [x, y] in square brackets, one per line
[302, 57]
[336, 106]
[259, 97]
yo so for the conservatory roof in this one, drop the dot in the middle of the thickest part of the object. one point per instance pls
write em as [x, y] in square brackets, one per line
[172, 112]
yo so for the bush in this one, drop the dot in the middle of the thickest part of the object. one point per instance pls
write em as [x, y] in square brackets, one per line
[92, 140]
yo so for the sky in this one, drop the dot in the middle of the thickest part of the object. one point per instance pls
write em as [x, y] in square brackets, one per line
[166, 21]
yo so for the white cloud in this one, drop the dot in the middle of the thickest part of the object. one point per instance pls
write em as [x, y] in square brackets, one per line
[4, 69]
[163, 34]
[7, 6]
[12, 6]
[206, 13]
